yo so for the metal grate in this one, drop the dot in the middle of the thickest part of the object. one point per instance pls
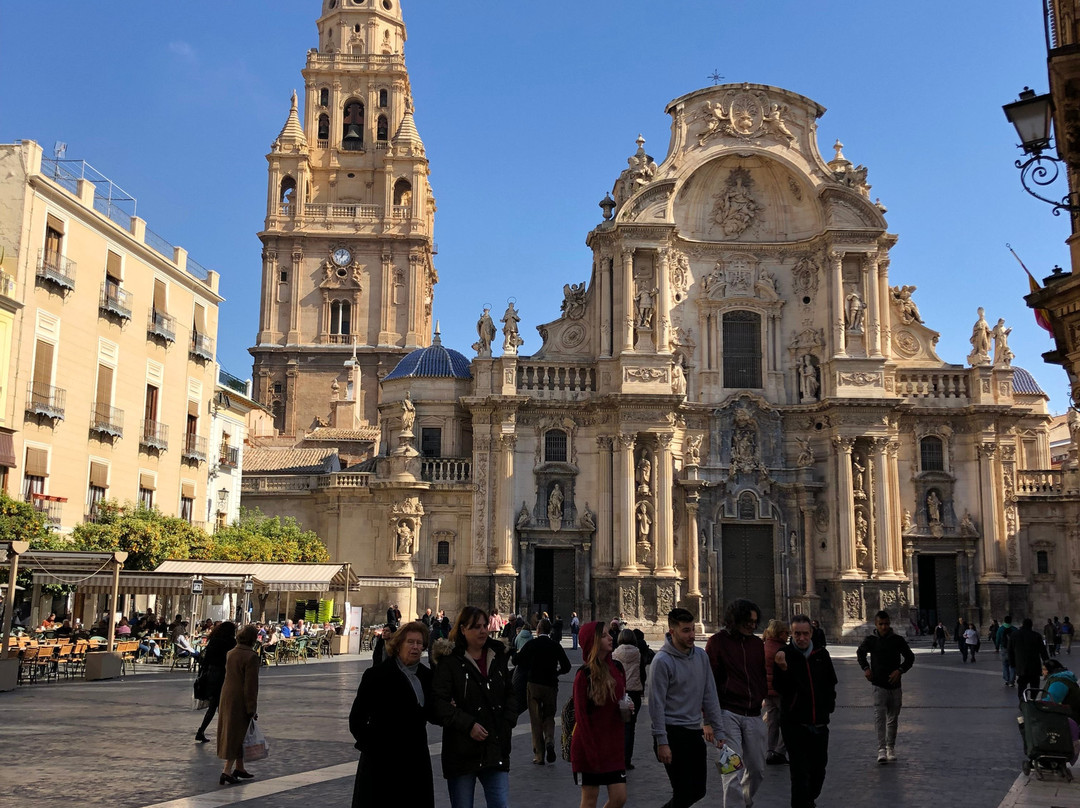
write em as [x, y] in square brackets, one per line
[742, 349]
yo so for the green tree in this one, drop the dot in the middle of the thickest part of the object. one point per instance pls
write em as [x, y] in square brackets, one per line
[19, 521]
[147, 535]
[258, 537]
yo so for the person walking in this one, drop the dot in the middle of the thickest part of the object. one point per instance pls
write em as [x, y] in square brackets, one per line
[818, 638]
[890, 658]
[991, 634]
[1027, 653]
[596, 749]
[940, 635]
[545, 661]
[212, 671]
[1050, 637]
[737, 657]
[557, 629]
[971, 638]
[1066, 634]
[776, 637]
[474, 703]
[389, 719]
[239, 704]
[1004, 632]
[958, 637]
[806, 681]
[628, 655]
[575, 627]
[682, 692]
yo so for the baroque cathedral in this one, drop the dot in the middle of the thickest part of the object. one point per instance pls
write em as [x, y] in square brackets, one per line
[738, 401]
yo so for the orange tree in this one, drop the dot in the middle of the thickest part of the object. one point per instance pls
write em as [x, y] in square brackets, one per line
[147, 535]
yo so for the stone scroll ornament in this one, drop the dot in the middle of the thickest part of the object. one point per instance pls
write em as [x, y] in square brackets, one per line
[744, 115]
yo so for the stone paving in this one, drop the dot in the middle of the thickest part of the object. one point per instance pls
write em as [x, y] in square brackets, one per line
[130, 743]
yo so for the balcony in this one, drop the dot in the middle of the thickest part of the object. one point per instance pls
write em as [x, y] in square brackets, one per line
[202, 348]
[106, 420]
[1047, 483]
[56, 269]
[446, 469]
[51, 507]
[229, 456]
[7, 285]
[234, 383]
[161, 326]
[194, 448]
[154, 436]
[45, 400]
[115, 301]
[557, 382]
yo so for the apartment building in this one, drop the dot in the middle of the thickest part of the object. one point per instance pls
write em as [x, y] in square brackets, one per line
[229, 413]
[111, 372]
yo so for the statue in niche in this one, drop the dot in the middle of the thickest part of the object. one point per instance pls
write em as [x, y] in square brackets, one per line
[644, 522]
[853, 312]
[905, 522]
[645, 304]
[678, 379]
[967, 526]
[408, 414]
[486, 331]
[808, 379]
[744, 448]
[980, 341]
[734, 208]
[806, 453]
[909, 312]
[693, 450]
[555, 507]
[860, 471]
[523, 517]
[862, 530]
[511, 338]
[767, 280]
[404, 537]
[573, 305]
[644, 473]
[588, 519]
[933, 507]
[1002, 354]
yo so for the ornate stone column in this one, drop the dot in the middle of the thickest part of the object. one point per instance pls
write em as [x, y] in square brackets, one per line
[665, 540]
[884, 522]
[836, 272]
[885, 315]
[625, 313]
[693, 548]
[663, 341]
[896, 547]
[602, 542]
[845, 512]
[605, 306]
[625, 552]
[523, 576]
[477, 560]
[873, 305]
[386, 310]
[504, 506]
[990, 508]
[807, 513]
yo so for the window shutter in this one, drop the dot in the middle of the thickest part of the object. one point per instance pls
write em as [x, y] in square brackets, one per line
[187, 490]
[55, 224]
[43, 359]
[147, 481]
[37, 462]
[99, 475]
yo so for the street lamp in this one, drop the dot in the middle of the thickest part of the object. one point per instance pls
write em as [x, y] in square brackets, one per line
[1032, 115]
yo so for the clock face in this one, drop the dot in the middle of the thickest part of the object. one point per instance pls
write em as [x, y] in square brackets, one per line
[342, 257]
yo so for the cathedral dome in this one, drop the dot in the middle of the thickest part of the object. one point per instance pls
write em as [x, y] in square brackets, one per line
[432, 362]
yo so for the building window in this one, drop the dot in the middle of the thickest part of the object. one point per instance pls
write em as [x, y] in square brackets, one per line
[402, 192]
[384, 98]
[187, 509]
[283, 276]
[442, 553]
[555, 446]
[32, 484]
[1042, 562]
[932, 453]
[431, 442]
[54, 241]
[95, 495]
[742, 349]
[150, 411]
[146, 498]
[352, 126]
[340, 315]
[324, 127]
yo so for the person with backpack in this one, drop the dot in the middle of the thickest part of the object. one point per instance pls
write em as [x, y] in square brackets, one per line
[596, 746]
[1066, 634]
[1005, 631]
[543, 661]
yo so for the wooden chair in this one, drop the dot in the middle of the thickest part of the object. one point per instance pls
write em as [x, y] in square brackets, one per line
[77, 660]
[45, 662]
[28, 665]
[127, 650]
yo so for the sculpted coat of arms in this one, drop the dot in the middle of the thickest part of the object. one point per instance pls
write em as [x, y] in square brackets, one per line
[744, 114]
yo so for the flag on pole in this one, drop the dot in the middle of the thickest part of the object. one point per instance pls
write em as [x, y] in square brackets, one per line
[1042, 316]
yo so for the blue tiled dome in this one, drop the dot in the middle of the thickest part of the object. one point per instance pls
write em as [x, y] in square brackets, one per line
[433, 362]
[1025, 384]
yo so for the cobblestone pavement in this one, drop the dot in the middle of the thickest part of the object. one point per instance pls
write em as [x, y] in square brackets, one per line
[130, 743]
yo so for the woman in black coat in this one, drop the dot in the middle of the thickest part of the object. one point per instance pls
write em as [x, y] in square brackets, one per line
[389, 722]
[212, 671]
[475, 704]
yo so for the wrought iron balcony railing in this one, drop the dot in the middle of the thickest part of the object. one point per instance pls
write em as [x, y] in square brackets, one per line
[56, 269]
[194, 448]
[46, 400]
[162, 326]
[115, 300]
[202, 347]
[107, 420]
[154, 435]
[229, 456]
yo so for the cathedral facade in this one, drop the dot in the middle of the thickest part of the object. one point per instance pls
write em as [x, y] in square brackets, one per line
[736, 400]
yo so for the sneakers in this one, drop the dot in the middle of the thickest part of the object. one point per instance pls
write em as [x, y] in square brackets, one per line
[882, 757]
[551, 753]
[890, 755]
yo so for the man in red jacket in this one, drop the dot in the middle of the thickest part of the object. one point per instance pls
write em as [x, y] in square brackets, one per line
[737, 657]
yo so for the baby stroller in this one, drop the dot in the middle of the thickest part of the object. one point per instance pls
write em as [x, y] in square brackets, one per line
[1044, 726]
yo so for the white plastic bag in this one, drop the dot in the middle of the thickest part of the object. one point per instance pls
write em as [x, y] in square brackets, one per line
[728, 757]
[256, 746]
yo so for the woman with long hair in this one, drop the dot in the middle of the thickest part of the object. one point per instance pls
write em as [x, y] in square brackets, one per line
[212, 671]
[776, 637]
[628, 655]
[389, 722]
[597, 746]
[475, 704]
[239, 704]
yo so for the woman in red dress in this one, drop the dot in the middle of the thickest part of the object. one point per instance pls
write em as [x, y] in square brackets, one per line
[597, 746]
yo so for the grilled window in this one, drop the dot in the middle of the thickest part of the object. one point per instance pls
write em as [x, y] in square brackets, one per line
[555, 446]
[742, 349]
[442, 553]
[431, 442]
[932, 454]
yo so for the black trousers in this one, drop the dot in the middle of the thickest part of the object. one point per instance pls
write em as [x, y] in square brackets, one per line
[808, 754]
[687, 770]
[1024, 682]
[210, 710]
[630, 726]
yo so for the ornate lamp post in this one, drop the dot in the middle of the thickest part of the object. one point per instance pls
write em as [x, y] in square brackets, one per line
[1032, 117]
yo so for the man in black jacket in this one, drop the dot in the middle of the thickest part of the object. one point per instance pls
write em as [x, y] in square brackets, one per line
[545, 660]
[890, 658]
[1027, 653]
[806, 681]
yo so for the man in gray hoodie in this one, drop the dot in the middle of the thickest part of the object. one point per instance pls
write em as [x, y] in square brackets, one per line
[682, 690]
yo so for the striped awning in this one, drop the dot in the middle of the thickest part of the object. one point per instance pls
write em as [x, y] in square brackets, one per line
[393, 582]
[135, 582]
[268, 576]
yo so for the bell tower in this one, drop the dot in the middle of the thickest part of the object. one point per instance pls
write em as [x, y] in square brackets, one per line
[347, 242]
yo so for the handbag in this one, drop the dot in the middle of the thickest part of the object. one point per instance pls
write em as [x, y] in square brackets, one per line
[256, 747]
[200, 687]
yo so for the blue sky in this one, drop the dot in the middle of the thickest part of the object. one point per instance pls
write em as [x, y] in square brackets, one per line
[529, 111]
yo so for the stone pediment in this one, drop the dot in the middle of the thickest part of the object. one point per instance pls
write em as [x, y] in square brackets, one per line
[747, 114]
[847, 209]
[913, 343]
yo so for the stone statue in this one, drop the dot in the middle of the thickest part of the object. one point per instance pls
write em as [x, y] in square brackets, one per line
[734, 208]
[485, 329]
[693, 450]
[905, 523]
[335, 389]
[853, 312]
[806, 453]
[980, 341]
[645, 304]
[678, 380]
[511, 338]
[767, 280]
[644, 473]
[967, 526]
[862, 529]
[808, 379]
[573, 305]
[404, 538]
[1002, 354]
[408, 414]
[555, 507]
[909, 312]
[588, 520]
[773, 122]
[933, 506]
[523, 517]
[860, 470]
[644, 522]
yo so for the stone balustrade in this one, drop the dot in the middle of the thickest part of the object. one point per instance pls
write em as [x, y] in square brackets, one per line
[446, 470]
[1040, 482]
[944, 384]
[554, 381]
[274, 483]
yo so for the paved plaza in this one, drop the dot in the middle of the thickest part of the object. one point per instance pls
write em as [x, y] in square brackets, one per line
[129, 743]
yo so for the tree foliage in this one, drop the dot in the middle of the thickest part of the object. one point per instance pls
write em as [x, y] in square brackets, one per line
[258, 537]
[19, 521]
[147, 535]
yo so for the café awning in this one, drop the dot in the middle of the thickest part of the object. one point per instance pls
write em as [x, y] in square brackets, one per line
[397, 582]
[269, 576]
[137, 582]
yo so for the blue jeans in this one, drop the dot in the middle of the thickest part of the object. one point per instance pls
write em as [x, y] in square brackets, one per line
[1007, 671]
[496, 787]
